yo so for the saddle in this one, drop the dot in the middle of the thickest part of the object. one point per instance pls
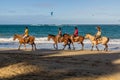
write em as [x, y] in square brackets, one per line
[98, 40]
[76, 38]
[27, 39]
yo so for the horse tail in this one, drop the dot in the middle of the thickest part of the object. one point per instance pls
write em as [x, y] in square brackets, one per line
[108, 40]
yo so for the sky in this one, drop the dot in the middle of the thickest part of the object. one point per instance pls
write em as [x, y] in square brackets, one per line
[64, 11]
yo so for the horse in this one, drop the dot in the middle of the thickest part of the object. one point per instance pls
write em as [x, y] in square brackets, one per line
[71, 40]
[103, 40]
[30, 40]
[55, 40]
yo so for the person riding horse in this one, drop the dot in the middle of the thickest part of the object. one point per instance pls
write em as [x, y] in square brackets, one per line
[75, 35]
[98, 34]
[26, 34]
[59, 34]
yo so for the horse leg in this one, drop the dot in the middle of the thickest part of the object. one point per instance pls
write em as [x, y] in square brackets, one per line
[56, 46]
[69, 46]
[97, 48]
[32, 46]
[106, 47]
[64, 46]
[19, 47]
[73, 46]
[82, 46]
[35, 46]
[25, 46]
[92, 47]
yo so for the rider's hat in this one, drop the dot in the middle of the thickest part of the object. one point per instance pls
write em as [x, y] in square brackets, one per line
[98, 27]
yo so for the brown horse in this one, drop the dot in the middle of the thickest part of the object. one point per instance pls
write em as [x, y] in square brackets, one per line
[55, 40]
[102, 40]
[30, 40]
[78, 39]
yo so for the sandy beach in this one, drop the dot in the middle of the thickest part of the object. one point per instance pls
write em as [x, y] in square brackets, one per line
[45, 64]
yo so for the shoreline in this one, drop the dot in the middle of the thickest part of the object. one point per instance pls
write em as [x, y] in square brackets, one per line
[87, 46]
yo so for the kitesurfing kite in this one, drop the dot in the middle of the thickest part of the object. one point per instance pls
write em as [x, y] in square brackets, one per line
[51, 13]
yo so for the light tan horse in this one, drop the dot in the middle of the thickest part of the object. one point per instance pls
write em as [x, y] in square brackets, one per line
[102, 40]
[30, 40]
[55, 40]
[78, 39]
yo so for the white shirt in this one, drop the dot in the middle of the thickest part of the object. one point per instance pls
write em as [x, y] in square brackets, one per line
[98, 33]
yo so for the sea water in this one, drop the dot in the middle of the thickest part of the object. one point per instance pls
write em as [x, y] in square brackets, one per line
[41, 32]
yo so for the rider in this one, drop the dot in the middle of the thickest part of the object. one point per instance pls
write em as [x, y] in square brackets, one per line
[59, 34]
[75, 35]
[26, 33]
[98, 34]
[75, 32]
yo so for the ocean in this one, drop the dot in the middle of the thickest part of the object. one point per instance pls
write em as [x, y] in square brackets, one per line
[41, 32]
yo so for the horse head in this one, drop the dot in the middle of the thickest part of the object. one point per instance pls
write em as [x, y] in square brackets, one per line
[48, 37]
[15, 37]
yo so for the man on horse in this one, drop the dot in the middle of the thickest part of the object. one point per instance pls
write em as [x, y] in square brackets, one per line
[98, 34]
[26, 34]
[59, 34]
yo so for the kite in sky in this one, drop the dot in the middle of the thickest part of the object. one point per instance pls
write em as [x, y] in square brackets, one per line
[51, 13]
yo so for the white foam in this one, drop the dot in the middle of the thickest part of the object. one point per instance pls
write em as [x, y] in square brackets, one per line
[6, 40]
[37, 40]
[114, 41]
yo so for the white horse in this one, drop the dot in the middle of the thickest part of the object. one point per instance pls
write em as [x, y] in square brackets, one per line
[102, 40]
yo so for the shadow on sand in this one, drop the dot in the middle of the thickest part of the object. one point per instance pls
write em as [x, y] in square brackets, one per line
[83, 67]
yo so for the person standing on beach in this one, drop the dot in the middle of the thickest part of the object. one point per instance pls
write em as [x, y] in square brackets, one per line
[59, 34]
[26, 33]
[98, 34]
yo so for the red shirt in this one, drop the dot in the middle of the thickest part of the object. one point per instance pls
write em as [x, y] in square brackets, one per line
[76, 33]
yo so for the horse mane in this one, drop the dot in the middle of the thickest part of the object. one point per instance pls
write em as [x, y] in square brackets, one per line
[18, 35]
[51, 35]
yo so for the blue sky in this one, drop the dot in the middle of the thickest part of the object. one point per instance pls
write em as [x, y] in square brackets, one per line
[64, 11]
